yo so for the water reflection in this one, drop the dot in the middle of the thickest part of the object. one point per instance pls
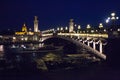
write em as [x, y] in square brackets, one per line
[36, 57]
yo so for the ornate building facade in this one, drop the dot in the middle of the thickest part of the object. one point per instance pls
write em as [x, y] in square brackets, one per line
[26, 34]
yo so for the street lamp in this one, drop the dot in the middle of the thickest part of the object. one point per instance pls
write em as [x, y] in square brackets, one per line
[79, 27]
[61, 29]
[66, 28]
[113, 17]
[58, 29]
[88, 26]
[100, 25]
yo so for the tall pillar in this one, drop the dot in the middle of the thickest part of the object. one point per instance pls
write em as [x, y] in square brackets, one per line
[35, 24]
[71, 25]
[88, 43]
[94, 46]
[100, 47]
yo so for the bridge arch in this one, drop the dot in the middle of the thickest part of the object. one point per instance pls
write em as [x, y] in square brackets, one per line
[76, 43]
[68, 46]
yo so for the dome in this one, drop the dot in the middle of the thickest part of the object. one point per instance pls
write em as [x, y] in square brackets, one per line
[24, 28]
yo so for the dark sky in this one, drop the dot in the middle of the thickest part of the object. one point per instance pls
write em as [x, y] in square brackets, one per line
[53, 13]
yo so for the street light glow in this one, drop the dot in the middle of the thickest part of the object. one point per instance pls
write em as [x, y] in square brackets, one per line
[58, 28]
[100, 25]
[79, 27]
[117, 17]
[118, 29]
[88, 26]
[112, 14]
[61, 28]
[107, 21]
[66, 28]
[113, 18]
[108, 18]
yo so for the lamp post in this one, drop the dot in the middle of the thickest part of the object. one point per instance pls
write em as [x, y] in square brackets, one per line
[78, 29]
[100, 28]
[88, 28]
[113, 27]
[112, 19]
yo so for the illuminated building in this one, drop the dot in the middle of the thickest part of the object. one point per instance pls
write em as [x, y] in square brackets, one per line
[36, 24]
[24, 28]
[27, 34]
[71, 25]
[24, 31]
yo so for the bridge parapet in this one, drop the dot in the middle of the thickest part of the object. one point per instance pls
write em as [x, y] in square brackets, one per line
[84, 35]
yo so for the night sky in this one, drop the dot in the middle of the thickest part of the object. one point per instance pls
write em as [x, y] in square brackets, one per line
[53, 13]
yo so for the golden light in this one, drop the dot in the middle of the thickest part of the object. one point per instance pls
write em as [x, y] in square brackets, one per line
[84, 34]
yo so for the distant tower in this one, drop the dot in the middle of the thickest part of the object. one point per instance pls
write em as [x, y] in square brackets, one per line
[71, 25]
[36, 24]
[24, 28]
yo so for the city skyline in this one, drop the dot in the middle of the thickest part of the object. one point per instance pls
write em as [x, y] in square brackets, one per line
[52, 14]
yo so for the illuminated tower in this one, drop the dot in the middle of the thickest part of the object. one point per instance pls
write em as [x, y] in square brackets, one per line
[71, 25]
[24, 28]
[36, 24]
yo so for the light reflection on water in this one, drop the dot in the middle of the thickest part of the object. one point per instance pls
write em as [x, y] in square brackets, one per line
[51, 60]
[1, 50]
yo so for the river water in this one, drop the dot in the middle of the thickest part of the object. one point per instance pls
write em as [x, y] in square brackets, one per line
[103, 70]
